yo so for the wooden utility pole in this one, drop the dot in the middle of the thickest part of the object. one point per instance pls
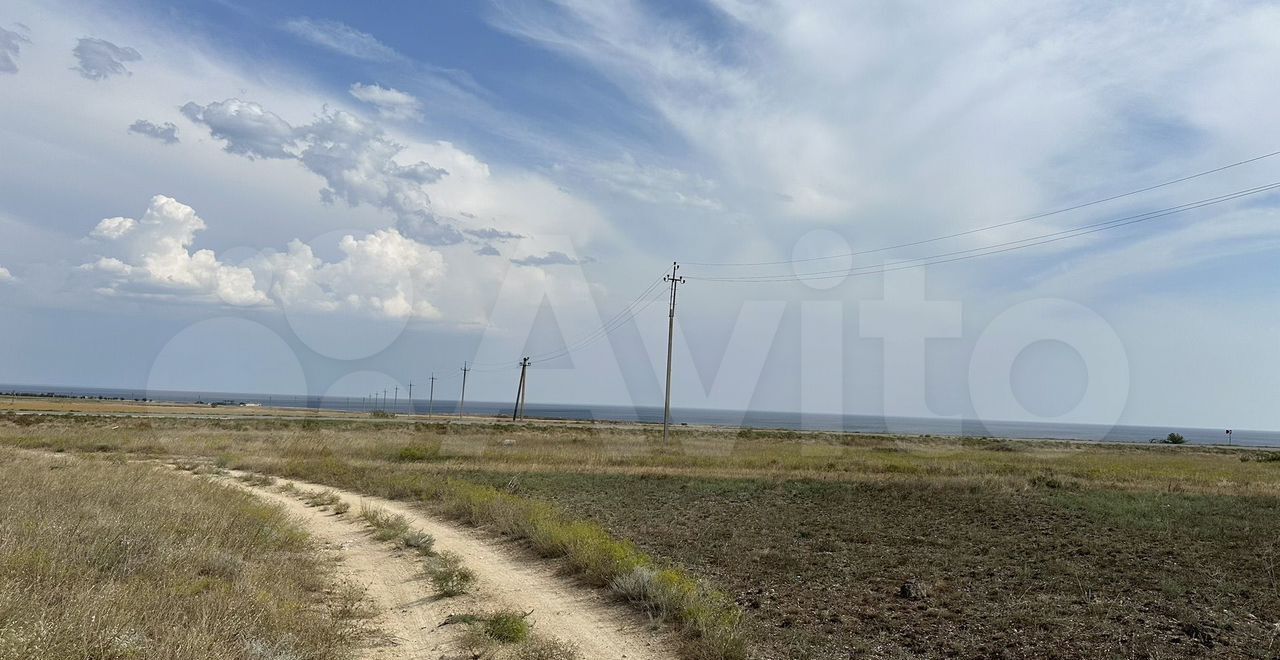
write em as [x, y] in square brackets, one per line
[462, 400]
[410, 397]
[519, 406]
[395, 403]
[675, 281]
[431, 403]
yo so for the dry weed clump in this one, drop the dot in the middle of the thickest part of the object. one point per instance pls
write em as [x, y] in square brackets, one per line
[386, 525]
[419, 540]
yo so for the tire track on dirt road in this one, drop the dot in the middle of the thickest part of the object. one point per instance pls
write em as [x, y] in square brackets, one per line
[508, 579]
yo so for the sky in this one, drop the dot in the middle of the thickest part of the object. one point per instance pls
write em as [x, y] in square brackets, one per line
[874, 204]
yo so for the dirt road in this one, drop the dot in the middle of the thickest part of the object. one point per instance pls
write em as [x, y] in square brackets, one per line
[508, 578]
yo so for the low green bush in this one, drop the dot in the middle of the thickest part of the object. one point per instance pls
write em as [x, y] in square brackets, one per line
[448, 576]
[507, 626]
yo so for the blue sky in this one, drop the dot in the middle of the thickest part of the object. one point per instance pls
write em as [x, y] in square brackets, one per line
[305, 197]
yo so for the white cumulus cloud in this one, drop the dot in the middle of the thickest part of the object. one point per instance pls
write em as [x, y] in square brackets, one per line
[389, 101]
[5, 275]
[381, 274]
[384, 273]
[153, 256]
[247, 128]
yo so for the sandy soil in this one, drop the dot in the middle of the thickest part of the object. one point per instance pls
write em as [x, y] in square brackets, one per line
[508, 578]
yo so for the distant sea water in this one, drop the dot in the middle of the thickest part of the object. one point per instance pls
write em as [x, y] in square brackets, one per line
[652, 414]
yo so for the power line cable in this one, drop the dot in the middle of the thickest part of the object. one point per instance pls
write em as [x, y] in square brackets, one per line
[604, 331]
[606, 327]
[986, 250]
[999, 225]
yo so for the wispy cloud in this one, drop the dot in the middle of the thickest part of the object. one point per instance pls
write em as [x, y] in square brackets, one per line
[391, 103]
[816, 112]
[341, 38]
[552, 258]
[491, 234]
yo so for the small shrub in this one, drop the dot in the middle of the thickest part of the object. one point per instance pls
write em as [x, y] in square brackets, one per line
[386, 525]
[1174, 439]
[448, 576]
[507, 626]
[418, 540]
[341, 507]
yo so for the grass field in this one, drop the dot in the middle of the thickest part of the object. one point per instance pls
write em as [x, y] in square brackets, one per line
[833, 545]
[104, 559]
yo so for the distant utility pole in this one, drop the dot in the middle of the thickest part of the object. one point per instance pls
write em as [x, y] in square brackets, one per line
[410, 397]
[431, 403]
[675, 281]
[395, 403]
[515, 412]
[462, 400]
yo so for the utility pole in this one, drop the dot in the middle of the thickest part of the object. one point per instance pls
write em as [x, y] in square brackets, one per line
[395, 403]
[462, 400]
[524, 386]
[410, 397]
[515, 412]
[675, 281]
[431, 403]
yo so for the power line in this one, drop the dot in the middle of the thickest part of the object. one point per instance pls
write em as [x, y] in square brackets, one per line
[603, 331]
[967, 232]
[986, 250]
[628, 312]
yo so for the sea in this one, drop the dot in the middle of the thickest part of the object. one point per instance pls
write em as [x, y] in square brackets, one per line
[756, 419]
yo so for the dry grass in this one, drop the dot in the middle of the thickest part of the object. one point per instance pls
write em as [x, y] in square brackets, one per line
[104, 559]
[601, 449]
[1099, 511]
